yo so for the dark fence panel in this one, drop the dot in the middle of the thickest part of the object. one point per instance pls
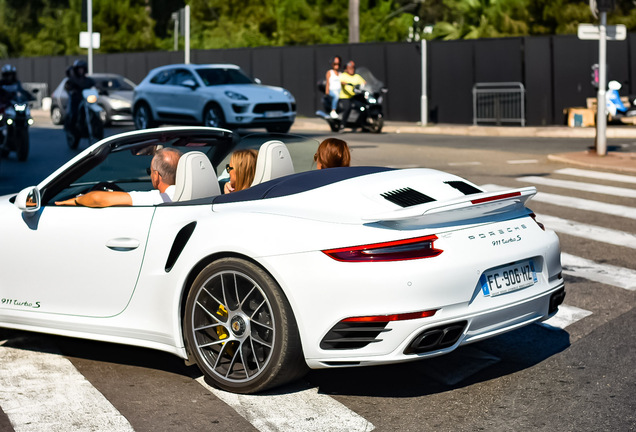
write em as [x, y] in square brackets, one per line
[538, 81]
[451, 81]
[555, 71]
[499, 60]
[404, 81]
[631, 38]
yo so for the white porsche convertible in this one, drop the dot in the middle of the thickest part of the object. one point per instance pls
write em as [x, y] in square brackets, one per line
[320, 268]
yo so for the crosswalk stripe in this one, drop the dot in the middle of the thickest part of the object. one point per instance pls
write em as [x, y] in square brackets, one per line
[577, 203]
[587, 187]
[303, 409]
[604, 273]
[522, 161]
[597, 175]
[44, 392]
[565, 316]
[591, 232]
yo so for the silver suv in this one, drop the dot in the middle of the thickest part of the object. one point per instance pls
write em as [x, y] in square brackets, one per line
[214, 95]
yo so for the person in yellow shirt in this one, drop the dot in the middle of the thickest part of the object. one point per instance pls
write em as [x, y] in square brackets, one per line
[348, 80]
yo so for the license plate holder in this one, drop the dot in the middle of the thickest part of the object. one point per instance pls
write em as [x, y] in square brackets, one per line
[508, 278]
[272, 114]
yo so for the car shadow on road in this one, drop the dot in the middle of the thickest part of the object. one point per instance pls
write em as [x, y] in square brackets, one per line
[479, 362]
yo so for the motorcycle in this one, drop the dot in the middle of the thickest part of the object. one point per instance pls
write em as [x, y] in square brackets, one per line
[366, 105]
[14, 127]
[616, 109]
[88, 122]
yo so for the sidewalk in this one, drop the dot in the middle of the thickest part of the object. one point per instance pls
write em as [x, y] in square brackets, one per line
[614, 160]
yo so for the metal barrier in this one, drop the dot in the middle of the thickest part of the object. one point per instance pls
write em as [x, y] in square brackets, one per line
[499, 103]
[41, 93]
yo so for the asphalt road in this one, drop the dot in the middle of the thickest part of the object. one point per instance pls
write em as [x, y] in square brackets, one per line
[578, 375]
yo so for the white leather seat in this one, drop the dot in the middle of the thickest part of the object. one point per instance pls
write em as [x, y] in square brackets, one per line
[273, 161]
[195, 178]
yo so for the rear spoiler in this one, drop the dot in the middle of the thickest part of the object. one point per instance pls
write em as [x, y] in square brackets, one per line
[467, 207]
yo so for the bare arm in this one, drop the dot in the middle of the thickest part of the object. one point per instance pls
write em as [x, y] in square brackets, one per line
[327, 81]
[100, 199]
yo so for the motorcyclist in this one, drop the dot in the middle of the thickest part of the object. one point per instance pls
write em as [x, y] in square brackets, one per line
[349, 79]
[10, 86]
[77, 82]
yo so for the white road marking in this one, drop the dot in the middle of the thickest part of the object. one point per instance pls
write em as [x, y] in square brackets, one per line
[590, 232]
[597, 175]
[463, 163]
[565, 316]
[44, 392]
[302, 410]
[522, 161]
[577, 203]
[603, 273]
[587, 187]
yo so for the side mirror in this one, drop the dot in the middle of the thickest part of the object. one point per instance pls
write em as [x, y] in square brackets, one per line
[257, 81]
[28, 200]
[189, 83]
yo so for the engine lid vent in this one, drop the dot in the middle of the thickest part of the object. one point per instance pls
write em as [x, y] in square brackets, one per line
[463, 187]
[407, 197]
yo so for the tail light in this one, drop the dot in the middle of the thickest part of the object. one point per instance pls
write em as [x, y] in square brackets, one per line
[394, 317]
[400, 250]
[534, 218]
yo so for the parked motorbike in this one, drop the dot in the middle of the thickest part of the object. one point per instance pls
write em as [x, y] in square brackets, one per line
[14, 127]
[616, 109]
[88, 122]
[366, 105]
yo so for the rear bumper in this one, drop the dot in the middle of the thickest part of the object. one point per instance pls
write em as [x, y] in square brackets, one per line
[422, 339]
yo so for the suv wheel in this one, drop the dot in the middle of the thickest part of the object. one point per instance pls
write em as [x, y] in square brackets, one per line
[213, 116]
[142, 117]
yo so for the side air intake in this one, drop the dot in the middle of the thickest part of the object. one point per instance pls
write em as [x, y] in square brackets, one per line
[407, 197]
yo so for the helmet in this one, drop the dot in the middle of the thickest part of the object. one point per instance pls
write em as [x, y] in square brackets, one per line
[80, 64]
[8, 73]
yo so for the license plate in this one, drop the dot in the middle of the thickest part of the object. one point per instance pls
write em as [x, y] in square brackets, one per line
[509, 278]
[270, 114]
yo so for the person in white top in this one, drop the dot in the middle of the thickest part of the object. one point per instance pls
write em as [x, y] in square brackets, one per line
[332, 87]
[163, 170]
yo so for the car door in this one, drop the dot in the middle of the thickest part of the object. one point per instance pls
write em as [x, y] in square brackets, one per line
[72, 260]
[185, 98]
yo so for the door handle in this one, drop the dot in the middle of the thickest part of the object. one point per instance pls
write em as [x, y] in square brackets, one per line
[122, 244]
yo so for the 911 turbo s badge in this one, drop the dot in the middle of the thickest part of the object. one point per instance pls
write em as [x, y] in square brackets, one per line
[19, 303]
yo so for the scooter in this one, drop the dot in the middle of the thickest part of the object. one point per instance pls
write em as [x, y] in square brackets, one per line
[616, 109]
[88, 123]
[366, 106]
[14, 127]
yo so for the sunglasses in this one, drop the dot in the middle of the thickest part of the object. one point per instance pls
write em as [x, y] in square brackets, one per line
[228, 168]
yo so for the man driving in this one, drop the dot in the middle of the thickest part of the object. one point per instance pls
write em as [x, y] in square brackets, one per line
[163, 170]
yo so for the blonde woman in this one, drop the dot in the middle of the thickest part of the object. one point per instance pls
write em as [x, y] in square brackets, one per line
[241, 169]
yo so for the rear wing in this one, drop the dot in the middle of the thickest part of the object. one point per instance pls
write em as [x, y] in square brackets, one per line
[467, 207]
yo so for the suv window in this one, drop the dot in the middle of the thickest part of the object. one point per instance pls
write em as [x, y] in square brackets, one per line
[181, 75]
[218, 76]
[162, 77]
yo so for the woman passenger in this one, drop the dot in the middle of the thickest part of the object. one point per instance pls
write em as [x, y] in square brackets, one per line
[241, 169]
[332, 152]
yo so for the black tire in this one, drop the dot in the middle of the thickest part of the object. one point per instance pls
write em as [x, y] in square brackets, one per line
[57, 116]
[376, 125]
[97, 127]
[240, 329]
[213, 116]
[73, 138]
[334, 127]
[279, 128]
[142, 116]
[22, 143]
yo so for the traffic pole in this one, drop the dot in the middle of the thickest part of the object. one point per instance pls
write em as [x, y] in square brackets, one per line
[601, 104]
